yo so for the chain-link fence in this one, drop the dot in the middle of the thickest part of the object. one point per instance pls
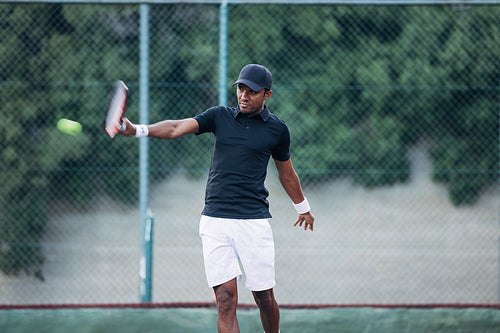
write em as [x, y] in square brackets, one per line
[393, 113]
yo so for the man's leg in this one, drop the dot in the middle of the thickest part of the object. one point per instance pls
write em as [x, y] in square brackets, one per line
[226, 298]
[269, 310]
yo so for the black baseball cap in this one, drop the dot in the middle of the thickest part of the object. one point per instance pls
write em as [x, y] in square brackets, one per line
[257, 77]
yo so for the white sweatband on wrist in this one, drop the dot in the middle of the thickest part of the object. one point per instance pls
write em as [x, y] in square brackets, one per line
[141, 131]
[302, 207]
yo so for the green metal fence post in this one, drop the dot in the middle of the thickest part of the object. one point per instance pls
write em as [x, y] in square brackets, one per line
[223, 53]
[146, 219]
[146, 261]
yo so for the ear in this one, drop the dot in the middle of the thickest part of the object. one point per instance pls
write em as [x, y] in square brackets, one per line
[267, 95]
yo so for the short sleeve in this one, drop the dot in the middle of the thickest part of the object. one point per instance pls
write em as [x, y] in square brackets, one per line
[206, 120]
[281, 151]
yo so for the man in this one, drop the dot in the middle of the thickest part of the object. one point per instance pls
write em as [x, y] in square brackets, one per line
[234, 225]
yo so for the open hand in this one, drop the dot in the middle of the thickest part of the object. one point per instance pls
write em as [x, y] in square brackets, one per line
[307, 219]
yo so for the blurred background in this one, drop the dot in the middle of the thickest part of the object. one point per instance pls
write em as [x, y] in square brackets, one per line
[393, 112]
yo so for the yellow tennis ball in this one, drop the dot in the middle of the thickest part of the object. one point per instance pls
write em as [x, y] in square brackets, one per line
[70, 127]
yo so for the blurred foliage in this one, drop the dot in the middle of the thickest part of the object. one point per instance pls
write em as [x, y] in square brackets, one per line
[357, 86]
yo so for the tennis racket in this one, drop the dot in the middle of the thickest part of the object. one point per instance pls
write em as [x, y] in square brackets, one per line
[116, 108]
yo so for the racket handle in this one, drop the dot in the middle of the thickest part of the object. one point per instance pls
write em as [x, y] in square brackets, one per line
[122, 126]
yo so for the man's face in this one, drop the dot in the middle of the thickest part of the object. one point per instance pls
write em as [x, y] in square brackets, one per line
[251, 102]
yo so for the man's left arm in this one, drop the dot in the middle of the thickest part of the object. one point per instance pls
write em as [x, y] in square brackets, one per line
[291, 183]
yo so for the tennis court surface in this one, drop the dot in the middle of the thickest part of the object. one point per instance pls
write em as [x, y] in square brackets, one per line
[293, 320]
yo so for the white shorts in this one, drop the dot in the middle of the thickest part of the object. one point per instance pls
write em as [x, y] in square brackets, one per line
[226, 242]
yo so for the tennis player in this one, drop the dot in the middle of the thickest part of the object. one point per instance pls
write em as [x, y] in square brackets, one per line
[234, 223]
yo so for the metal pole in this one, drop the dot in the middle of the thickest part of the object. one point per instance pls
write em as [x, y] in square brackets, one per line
[223, 53]
[145, 268]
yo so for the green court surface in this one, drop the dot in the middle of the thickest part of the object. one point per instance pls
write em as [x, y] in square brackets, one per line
[185, 320]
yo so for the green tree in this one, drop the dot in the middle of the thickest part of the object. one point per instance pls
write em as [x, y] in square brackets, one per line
[466, 157]
[27, 138]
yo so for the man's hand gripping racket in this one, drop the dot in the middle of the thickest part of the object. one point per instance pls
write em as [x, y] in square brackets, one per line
[113, 123]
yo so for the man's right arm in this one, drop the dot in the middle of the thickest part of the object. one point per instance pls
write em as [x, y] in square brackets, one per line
[166, 129]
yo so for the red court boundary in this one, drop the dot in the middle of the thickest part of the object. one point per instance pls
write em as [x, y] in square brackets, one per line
[244, 306]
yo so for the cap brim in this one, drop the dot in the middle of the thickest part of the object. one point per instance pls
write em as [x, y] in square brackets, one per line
[254, 86]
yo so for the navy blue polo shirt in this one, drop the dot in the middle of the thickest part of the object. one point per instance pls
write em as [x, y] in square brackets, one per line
[242, 148]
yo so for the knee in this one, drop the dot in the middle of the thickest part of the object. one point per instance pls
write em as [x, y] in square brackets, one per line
[226, 300]
[264, 299]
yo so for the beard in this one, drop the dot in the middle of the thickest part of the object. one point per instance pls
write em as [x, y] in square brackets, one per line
[249, 111]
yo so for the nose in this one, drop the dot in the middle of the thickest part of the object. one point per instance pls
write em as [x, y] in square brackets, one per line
[244, 94]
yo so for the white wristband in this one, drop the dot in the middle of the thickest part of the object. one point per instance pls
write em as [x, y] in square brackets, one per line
[302, 207]
[141, 131]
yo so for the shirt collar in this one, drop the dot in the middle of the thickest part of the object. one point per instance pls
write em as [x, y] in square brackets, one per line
[264, 114]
